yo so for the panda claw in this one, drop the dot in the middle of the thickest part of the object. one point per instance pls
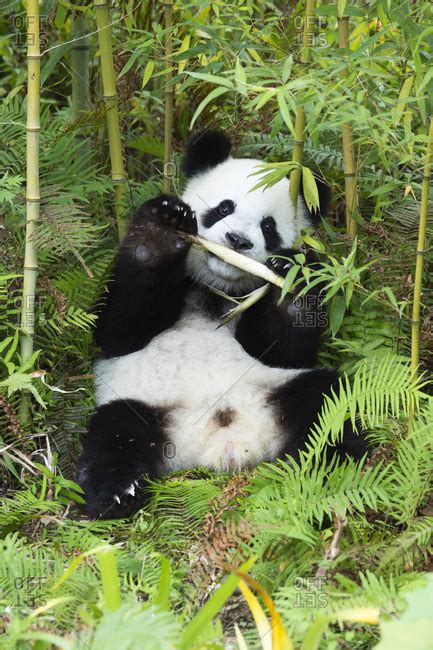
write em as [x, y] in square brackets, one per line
[116, 498]
[131, 490]
[170, 212]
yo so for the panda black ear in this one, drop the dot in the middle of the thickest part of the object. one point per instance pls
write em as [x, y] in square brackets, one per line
[204, 151]
[325, 195]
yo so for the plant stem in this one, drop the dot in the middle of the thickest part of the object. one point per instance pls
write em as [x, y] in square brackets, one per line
[416, 307]
[80, 74]
[349, 163]
[298, 143]
[118, 173]
[237, 259]
[168, 122]
[110, 580]
[33, 196]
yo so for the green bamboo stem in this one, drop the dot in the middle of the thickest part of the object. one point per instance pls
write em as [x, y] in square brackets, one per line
[80, 73]
[118, 173]
[349, 163]
[416, 307]
[298, 143]
[33, 197]
[168, 121]
[297, 155]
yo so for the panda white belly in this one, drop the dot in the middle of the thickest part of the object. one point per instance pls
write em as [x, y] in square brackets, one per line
[215, 393]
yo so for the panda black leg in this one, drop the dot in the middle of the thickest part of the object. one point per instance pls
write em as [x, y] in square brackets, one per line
[125, 441]
[298, 403]
[147, 288]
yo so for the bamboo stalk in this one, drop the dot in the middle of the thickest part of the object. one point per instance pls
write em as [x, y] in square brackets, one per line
[349, 163]
[33, 197]
[168, 121]
[80, 73]
[237, 259]
[298, 143]
[118, 173]
[416, 307]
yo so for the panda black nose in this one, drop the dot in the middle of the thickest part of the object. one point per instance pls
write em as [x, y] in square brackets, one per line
[238, 241]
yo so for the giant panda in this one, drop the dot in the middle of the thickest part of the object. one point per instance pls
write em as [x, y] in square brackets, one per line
[176, 390]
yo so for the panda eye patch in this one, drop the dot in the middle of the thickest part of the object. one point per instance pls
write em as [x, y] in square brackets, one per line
[268, 224]
[270, 233]
[213, 215]
[225, 208]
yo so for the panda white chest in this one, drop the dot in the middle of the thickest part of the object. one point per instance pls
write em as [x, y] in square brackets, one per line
[215, 393]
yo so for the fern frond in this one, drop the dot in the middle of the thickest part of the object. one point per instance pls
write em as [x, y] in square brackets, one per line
[416, 540]
[378, 390]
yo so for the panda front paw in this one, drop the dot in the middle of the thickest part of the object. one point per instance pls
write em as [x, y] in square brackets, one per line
[153, 237]
[169, 211]
[282, 261]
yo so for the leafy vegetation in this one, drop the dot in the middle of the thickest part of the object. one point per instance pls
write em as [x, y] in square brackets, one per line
[342, 550]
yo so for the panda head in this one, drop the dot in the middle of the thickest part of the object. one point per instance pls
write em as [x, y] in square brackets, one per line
[255, 223]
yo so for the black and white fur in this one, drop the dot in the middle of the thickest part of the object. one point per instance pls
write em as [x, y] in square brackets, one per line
[174, 390]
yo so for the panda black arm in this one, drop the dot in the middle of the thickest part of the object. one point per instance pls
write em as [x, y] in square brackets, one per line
[146, 292]
[284, 335]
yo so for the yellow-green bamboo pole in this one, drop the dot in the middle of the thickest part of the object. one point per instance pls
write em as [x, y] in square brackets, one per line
[416, 307]
[80, 73]
[349, 163]
[80, 67]
[118, 173]
[32, 185]
[298, 142]
[168, 121]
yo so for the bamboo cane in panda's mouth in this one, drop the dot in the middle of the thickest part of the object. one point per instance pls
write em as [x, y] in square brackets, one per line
[236, 259]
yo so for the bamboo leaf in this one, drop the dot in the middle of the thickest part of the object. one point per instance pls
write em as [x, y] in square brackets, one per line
[110, 579]
[240, 639]
[341, 6]
[216, 92]
[211, 78]
[401, 102]
[262, 624]
[184, 48]
[289, 281]
[284, 110]
[336, 313]
[205, 615]
[240, 77]
[279, 638]
[128, 65]
[77, 561]
[162, 597]
[287, 68]
[148, 71]
[314, 243]
[309, 186]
